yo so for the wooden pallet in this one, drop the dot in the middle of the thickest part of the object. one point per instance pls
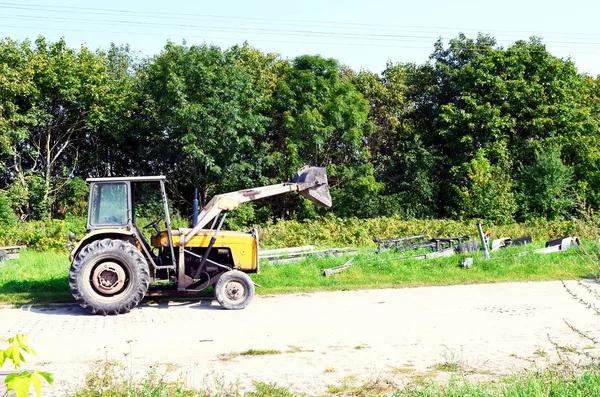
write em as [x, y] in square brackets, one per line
[12, 251]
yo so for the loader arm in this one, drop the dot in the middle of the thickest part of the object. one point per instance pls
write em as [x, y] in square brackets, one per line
[311, 182]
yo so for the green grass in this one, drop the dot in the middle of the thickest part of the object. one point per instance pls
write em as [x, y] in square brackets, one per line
[36, 277]
[388, 270]
[110, 379]
[41, 277]
[544, 384]
[259, 352]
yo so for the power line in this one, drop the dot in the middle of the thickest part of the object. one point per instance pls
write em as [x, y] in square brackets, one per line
[266, 31]
[183, 36]
[336, 23]
[210, 37]
[231, 20]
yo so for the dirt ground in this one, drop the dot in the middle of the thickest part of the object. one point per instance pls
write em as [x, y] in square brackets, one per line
[324, 338]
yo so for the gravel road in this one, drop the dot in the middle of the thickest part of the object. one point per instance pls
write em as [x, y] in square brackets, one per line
[324, 337]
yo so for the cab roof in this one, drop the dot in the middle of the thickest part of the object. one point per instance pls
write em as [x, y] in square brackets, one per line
[155, 178]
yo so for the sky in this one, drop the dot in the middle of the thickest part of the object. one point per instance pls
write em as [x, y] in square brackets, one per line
[361, 34]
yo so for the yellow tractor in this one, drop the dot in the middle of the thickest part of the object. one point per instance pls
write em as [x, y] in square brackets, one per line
[113, 266]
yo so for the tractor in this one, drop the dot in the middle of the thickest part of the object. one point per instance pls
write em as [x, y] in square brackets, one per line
[114, 266]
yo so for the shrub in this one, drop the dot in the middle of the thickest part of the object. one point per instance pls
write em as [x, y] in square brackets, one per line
[546, 187]
[7, 216]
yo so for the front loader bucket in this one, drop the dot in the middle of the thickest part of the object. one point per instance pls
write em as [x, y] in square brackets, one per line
[312, 184]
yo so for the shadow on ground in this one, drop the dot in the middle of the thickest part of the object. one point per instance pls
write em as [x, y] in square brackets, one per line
[53, 296]
[73, 309]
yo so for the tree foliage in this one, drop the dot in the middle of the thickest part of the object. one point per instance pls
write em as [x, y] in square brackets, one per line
[468, 134]
[546, 187]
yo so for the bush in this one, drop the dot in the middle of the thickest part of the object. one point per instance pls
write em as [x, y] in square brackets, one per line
[326, 231]
[73, 198]
[487, 192]
[546, 187]
[337, 232]
[7, 216]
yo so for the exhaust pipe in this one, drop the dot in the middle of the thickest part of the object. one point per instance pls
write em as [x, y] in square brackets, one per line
[312, 184]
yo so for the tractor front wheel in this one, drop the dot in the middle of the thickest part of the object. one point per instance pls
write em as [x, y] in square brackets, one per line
[234, 290]
[109, 277]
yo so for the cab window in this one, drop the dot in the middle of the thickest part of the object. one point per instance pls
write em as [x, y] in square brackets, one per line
[109, 204]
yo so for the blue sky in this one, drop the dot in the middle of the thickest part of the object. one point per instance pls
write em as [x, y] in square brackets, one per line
[361, 34]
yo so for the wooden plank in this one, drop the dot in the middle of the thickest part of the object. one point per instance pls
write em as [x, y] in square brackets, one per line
[338, 269]
[286, 250]
[437, 254]
[293, 257]
[12, 247]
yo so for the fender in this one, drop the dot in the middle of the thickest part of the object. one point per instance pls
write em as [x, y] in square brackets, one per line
[97, 235]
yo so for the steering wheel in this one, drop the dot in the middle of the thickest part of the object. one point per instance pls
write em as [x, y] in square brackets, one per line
[154, 224]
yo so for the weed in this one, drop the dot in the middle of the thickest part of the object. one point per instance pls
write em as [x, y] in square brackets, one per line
[270, 390]
[446, 367]
[540, 352]
[422, 379]
[298, 349]
[108, 381]
[329, 370]
[170, 367]
[259, 352]
[249, 352]
[361, 347]
[402, 370]
[349, 386]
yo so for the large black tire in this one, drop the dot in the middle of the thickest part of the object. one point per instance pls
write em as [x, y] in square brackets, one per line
[234, 290]
[109, 277]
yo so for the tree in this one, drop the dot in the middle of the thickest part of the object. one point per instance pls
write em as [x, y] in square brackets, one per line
[486, 192]
[398, 153]
[521, 97]
[205, 117]
[546, 187]
[56, 98]
[112, 149]
[321, 120]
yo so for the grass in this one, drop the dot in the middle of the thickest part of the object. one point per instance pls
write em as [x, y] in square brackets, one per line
[41, 277]
[36, 277]
[110, 379]
[447, 366]
[388, 270]
[259, 352]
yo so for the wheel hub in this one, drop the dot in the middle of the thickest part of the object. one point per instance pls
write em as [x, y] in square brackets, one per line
[235, 290]
[109, 278]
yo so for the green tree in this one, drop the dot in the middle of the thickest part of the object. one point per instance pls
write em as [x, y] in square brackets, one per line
[522, 97]
[112, 149]
[400, 158]
[205, 111]
[56, 98]
[486, 192]
[320, 119]
[546, 187]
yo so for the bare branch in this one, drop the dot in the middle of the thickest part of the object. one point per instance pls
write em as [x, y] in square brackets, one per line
[589, 305]
[581, 333]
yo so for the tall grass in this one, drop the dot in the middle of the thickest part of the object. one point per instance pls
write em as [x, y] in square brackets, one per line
[331, 231]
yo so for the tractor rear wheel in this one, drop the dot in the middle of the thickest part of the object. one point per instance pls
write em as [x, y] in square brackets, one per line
[109, 277]
[234, 290]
